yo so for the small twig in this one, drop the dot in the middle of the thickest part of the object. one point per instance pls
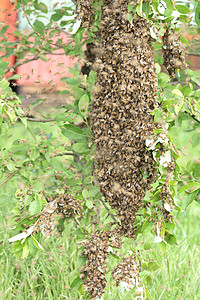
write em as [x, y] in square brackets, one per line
[40, 120]
[168, 268]
[63, 154]
[18, 64]
[192, 116]
[109, 212]
[192, 54]
[9, 176]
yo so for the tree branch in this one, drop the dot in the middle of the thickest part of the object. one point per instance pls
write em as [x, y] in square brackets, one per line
[193, 117]
[109, 212]
[40, 120]
[63, 154]
[18, 64]
[192, 54]
[10, 176]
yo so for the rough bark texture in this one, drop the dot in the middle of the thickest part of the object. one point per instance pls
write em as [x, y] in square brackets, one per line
[124, 97]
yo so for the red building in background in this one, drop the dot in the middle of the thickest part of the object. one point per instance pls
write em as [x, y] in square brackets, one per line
[36, 71]
[8, 16]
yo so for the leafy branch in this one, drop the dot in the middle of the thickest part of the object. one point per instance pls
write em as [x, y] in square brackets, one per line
[17, 171]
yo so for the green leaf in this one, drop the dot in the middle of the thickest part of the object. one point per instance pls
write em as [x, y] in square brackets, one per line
[114, 255]
[34, 154]
[163, 79]
[93, 191]
[178, 107]
[146, 8]
[89, 203]
[11, 115]
[152, 266]
[178, 93]
[155, 4]
[24, 121]
[139, 9]
[85, 193]
[57, 16]
[80, 147]
[4, 29]
[192, 185]
[37, 244]
[26, 250]
[39, 27]
[169, 4]
[184, 40]
[147, 245]
[41, 6]
[70, 81]
[157, 113]
[81, 289]
[72, 132]
[183, 9]
[84, 102]
[197, 14]
[171, 239]
[158, 68]
[149, 297]
[4, 84]
[37, 205]
[14, 77]
[76, 283]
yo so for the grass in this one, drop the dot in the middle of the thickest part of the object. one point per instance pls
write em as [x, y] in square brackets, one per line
[49, 274]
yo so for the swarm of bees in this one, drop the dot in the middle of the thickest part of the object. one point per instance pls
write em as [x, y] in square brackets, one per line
[96, 250]
[173, 54]
[121, 120]
[124, 97]
[126, 273]
[90, 58]
[61, 205]
[84, 11]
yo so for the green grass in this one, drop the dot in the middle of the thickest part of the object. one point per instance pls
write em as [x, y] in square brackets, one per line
[50, 273]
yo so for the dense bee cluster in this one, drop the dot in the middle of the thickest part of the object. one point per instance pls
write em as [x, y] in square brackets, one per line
[62, 206]
[67, 205]
[59, 205]
[96, 250]
[173, 54]
[126, 273]
[90, 58]
[85, 12]
[121, 120]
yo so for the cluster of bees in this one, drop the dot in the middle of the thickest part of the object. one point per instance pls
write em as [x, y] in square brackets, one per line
[97, 249]
[173, 53]
[123, 99]
[59, 205]
[126, 273]
[121, 120]
[85, 11]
